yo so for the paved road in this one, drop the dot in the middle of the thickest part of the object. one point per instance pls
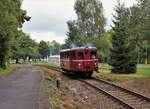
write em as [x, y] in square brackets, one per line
[20, 90]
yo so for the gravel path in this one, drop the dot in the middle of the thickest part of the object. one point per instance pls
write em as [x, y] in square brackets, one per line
[20, 90]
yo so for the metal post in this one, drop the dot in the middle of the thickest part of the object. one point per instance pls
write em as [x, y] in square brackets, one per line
[58, 83]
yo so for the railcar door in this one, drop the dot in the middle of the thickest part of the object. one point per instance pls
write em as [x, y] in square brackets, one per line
[68, 61]
[62, 60]
[72, 61]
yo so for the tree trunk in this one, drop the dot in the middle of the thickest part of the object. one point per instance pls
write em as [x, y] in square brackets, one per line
[3, 63]
[146, 61]
[17, 61]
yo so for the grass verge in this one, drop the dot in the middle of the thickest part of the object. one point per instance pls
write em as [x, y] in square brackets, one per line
[62, 98]
[44, 63]
[54, 95]
[11, 68]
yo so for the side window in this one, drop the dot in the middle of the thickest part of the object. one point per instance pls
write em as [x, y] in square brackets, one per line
[80, 55]
[67, 56]
[61, 57]
[73, 56]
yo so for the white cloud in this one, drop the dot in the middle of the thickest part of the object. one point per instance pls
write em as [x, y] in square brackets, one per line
[49, 17]
[109, 8]
[48, 36]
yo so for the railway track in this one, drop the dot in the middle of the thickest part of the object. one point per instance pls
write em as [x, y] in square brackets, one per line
[125, 97]
[128, 98]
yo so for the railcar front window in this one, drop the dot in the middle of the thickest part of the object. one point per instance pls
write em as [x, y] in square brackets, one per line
[93, 55]
[80, 55]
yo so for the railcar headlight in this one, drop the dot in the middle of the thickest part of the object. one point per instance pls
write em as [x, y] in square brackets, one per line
[79, 64]
[95, 64]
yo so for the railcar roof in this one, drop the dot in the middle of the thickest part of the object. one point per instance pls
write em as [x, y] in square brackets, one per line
[79, 48]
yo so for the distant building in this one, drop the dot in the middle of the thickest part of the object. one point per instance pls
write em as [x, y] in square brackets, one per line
[54, 58]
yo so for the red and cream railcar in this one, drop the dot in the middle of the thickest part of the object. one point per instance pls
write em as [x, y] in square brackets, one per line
[79, 60]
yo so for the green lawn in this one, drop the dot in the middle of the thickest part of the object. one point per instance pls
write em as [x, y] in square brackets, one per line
[143, 71]
[10, 68]
[141, 68]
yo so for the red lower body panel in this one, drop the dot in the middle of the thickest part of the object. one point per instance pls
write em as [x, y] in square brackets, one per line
[79, 65]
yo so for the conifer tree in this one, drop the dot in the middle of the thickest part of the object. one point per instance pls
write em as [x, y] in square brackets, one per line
[122, 52]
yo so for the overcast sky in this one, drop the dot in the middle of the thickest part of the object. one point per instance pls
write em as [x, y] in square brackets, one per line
[49, 17]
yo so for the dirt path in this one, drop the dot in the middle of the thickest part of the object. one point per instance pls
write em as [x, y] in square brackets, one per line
[20, 90]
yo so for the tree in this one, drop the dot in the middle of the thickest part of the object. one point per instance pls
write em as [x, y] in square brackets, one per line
[139, 29]
[123, 59]
[88, 29]
[90, 18]
[89, 24]
[145, 27]
[54, 47]
[73, 35]
[24, 47]
[11, 18]
[104, 44]
[43, 49]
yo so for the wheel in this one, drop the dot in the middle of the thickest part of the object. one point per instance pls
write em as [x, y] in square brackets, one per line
[90, 73]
